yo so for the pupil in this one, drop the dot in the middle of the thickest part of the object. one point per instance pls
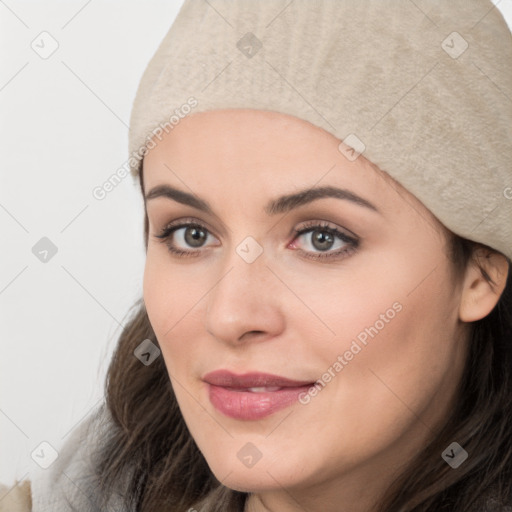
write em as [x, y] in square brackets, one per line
[194, 236]
[322, 237]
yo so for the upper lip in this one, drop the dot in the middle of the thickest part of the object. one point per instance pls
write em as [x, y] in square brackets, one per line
[225, 378]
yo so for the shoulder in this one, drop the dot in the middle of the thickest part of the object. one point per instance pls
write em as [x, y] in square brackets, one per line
[70, 483]
[16, 498]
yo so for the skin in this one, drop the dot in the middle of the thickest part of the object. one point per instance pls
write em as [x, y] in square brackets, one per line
[291, 315]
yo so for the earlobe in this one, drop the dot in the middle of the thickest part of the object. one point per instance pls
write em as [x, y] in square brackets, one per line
[479, 294]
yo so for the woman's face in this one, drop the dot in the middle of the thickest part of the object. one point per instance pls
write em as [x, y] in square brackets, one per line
[282, 274]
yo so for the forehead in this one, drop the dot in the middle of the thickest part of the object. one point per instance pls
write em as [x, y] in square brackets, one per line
[255, 153]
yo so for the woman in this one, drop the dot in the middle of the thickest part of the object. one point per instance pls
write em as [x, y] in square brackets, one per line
[326, 320]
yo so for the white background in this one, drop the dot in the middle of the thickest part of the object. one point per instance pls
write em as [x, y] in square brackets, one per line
[63, 130]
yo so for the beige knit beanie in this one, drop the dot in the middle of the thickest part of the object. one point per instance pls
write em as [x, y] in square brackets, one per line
[421, 88]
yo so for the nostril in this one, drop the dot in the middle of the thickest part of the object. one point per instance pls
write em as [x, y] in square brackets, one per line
[251, 334]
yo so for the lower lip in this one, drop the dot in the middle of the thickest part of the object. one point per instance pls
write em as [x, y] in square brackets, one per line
[246, 405]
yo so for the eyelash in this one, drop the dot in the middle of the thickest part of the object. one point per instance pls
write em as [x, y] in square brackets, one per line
[310, 226]
[352, 242]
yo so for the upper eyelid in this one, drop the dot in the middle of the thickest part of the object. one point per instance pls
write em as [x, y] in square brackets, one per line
[298, 203]
[183, 223]
[327, 225]
[222, 229]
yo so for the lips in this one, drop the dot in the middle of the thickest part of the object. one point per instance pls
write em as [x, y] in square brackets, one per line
[252, 396]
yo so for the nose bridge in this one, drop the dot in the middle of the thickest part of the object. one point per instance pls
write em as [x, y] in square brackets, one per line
[244, 298]
[244, 269]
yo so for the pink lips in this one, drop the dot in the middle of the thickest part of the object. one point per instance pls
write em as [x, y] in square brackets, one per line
[252, 396]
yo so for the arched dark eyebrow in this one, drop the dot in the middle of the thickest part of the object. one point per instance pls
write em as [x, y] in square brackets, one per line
[291, 201]
[282, 204]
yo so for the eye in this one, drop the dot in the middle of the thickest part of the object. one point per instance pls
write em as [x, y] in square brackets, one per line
[324, 241]
[183, 236]
[315, 240]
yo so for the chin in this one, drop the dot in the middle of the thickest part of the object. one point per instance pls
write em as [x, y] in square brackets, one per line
[247, 481]
[262, 476]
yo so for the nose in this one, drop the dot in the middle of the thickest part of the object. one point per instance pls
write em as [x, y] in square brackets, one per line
[246, 303]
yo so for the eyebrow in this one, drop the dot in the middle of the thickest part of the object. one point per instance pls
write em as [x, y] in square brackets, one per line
[282, 204]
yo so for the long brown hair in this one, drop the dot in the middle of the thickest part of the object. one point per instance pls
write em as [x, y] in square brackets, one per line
[150, 450]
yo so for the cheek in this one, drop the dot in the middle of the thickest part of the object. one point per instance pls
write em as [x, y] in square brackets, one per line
[398, 354]
[173, 298]
[169, 292]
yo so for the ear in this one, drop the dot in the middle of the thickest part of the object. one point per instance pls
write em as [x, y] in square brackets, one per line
[479, 296]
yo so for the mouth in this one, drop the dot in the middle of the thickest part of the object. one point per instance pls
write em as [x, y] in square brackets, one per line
[252, 396]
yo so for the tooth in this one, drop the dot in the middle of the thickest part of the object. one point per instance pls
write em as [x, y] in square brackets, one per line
[263, 389]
